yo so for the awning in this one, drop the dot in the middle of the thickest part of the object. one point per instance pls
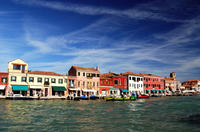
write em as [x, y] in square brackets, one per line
[58, 88]
[124, 90]
[75, 89]
[148, 90]
[114, 89]
[153, 91]
[19, 87]
[35, 87]
[88, 90]
[2, 87]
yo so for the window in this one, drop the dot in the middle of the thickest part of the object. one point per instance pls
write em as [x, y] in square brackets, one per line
[4, 79]
[83, 83]
[65, 80]
[83, 73]
[46, 80]
[119, 82]
[13, 78]
[31, 79]
[133, 78]
[97, 75]
[79, 73]
[116, 82]
[39, 79]
[60, 81]
[93, 84]
[16, 67]
[101, 81]
[138, 79]
[97, 84]
[53, 80]
[78, 83]
[23, 79]
[129, 78]
[141, 79]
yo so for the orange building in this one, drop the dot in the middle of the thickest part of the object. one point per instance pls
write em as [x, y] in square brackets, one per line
[192, 85]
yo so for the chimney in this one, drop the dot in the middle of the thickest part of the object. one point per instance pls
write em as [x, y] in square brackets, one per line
[97, 68]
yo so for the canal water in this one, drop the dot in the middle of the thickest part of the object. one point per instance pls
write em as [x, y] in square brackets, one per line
[147, 115]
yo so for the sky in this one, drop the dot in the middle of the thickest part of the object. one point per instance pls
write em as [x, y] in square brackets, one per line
[141, 36]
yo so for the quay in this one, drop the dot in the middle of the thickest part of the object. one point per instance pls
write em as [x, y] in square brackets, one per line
[84, 83]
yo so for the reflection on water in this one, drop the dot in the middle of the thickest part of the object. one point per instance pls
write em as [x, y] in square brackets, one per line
[154, 114]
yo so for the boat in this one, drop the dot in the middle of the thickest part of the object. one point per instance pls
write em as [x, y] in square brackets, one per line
[83, 98]
[132, 98]
[154, 95]
[143, 96]
[93, 97]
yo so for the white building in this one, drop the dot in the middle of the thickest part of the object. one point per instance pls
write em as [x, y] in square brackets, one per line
[135, 82]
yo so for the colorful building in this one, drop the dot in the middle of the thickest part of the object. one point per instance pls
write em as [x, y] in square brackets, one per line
[172, 86]
[135, 82]
[192, 85]
[113, 84]
[87, 80]
[34, 83]
[153, 84]
[3, 83]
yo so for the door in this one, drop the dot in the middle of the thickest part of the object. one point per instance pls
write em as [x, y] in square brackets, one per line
[46, 91]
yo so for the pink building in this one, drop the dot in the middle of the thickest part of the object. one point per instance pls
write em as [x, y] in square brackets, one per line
[153, 84]
[87, 80]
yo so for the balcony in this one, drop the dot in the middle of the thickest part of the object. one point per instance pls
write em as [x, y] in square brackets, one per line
[71, 85]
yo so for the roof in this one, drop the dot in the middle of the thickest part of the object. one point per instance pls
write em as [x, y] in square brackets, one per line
[110, 75]
[84, 68]
[146, 74]
[169, 79]
[130, 73]
[45, 73]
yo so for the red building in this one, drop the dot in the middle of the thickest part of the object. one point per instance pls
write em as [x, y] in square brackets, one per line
[3, 83]
[153, 84]
[112, 83]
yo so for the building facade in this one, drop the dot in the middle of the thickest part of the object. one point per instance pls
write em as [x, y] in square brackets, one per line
[34, 83]
[3, 83]
[192, 85]
[87, 80]
[153, 84]
[113, 84]
[135, 82]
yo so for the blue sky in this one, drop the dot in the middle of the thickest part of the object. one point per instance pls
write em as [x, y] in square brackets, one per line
[151, 36]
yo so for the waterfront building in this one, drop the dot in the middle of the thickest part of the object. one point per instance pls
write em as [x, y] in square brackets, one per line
[34, 83]
[135, 82]
[72, 89]
[87, 80]
[192, 85]
[172, 86]
[153, 84]
[3, 83]
[113, 84]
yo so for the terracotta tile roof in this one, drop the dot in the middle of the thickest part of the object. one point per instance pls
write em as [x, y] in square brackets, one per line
[45, 73]
[110, 75]
[129, 73]
[169, 79]
[145, 74]
[84, 68]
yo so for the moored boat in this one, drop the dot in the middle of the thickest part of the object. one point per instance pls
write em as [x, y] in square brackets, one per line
[143, 96]
[119, 99]
[93, 97]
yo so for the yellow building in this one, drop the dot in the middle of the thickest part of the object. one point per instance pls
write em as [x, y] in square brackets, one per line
[34, 83]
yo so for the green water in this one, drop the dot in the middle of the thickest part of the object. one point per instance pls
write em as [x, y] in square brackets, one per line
[149, 115]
